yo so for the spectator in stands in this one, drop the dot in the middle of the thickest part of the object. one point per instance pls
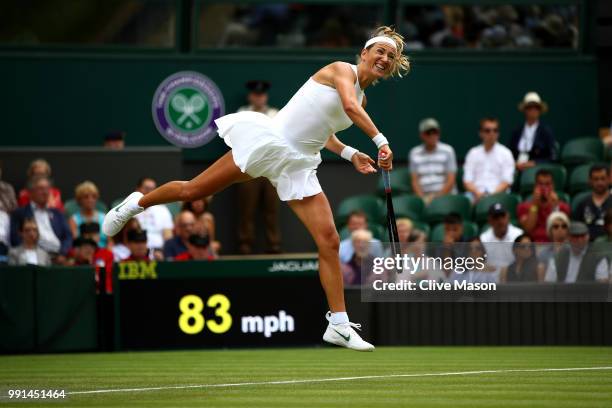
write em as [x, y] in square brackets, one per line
[577, 262]
[115, 140]
[557, 231]
[404, 229]
[357, 220]
[417, 247]
[156, 220]
[496, 239]
[84, 250]
[534, 213]
[453, 234]
[137, 244]
[5, 240]
[251, 193]
[204, 220]
[525, 265]
[592, 209]
[87, 195]
[28, 252]
[184, 227]
[41, 167]
[55, 236]
[453, 229]
[120, 247]
[8, 201]
[487, 274]
[362, 258]
[532, 142]
[433, 165]
[102, 257]
[489, 167]
[198, 249]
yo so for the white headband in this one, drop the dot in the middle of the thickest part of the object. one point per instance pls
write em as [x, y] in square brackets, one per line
[380, 38]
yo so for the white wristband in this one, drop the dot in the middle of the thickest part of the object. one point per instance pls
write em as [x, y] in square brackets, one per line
[348, 152]
[380, 140]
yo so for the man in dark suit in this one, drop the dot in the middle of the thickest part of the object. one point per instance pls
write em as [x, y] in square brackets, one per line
[533, 142]
[55, 236]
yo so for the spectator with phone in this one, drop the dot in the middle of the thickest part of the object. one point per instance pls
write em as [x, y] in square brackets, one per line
[533, 213]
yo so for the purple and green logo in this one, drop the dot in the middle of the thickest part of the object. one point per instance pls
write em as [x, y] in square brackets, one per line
[185, 106]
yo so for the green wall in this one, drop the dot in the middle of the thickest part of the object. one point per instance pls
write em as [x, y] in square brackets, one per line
[66, 99]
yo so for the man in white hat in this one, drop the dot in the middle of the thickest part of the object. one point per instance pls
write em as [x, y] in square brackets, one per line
[533, 142]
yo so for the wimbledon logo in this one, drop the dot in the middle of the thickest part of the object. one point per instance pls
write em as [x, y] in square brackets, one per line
[185, 106]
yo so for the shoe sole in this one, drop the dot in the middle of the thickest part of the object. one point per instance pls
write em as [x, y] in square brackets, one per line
[344, 345]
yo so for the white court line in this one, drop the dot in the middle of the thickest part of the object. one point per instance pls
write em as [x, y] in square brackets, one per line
[320, 380]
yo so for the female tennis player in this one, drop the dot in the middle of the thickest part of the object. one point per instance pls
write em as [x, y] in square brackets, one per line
[286, 150]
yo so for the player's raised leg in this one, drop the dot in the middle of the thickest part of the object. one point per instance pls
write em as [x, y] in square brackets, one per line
[316, 215]
[220, 175]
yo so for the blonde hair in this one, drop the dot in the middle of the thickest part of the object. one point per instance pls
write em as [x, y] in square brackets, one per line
[362, 234]
[401, 64]
[85, 188]
[39, 162]
[404, 221]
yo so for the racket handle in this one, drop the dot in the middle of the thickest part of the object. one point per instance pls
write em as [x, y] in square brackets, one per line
[386, 175]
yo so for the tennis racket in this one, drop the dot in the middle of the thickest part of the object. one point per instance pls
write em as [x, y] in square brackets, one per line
[391, 222]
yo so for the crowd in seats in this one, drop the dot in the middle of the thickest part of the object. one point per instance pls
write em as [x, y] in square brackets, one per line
[38, 228]
[532, 221]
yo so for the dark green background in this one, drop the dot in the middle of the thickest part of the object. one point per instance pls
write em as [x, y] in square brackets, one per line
[66, 99]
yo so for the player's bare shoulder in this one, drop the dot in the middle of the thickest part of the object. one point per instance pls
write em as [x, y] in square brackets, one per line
[329, 73]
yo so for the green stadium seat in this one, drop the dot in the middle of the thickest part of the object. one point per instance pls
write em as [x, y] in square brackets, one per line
[400, 182]
[576, 199]
[470, 230]
[579, 179]
[371, 205]
[441, 206]
[481, 210]
[582, 150]
[71, 207]
[378, 231]
[527, 178]
[406, 205]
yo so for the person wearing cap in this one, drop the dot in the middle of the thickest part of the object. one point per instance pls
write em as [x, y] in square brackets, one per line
[533, 142]
[259, 190]
[137, 244]
[557, 230]
[489, 167]
[198, 249]
[286, 150]
[83, 251]
[115, 140]
[578, 262]
[593, 208]
[499, 235]
[433, 165]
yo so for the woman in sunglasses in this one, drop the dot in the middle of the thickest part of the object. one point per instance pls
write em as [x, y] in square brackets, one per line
[557, 226]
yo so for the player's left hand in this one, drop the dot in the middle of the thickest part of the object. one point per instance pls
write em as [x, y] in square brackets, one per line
[385, 158]
[363, 163]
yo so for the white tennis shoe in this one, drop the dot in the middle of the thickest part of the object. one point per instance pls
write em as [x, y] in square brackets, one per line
[344, 335]
[117, 217]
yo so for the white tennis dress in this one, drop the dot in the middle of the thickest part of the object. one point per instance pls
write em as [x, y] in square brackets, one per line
[286, 149]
